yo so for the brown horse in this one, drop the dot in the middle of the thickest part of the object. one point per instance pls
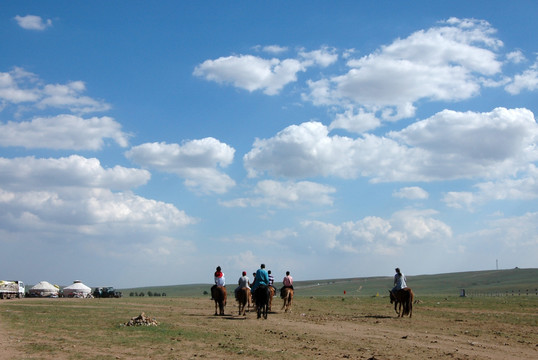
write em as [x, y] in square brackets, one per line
[243, 298]
[287, 295]
[404, 298]
[219, 295]
[272, 292]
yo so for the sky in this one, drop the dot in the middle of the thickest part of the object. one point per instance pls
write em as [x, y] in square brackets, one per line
[145, 144]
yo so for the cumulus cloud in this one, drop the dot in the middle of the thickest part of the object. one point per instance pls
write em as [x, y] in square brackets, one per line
[524, 187]
[250, 72]
[528, 80]
[62, 132]
[73, 172]
[441, 63]
[285, 194]
[269, 75]
[412, 193]
[515, 57]
[33, 22]
[73, 195]
[377, 235]
[322, 57]
[21, 87]
[449, 145]
[197, 161]
[355, 120]
[466, 144]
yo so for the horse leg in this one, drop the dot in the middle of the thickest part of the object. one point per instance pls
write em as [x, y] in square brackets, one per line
[216, 305]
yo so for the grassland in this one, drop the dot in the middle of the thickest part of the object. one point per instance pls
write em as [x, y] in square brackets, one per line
[326, 327]
[323, 324]
[483, 282]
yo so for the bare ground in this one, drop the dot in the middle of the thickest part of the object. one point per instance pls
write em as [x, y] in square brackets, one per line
[331, 329]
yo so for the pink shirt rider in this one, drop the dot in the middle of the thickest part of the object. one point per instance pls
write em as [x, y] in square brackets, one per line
[288, 281]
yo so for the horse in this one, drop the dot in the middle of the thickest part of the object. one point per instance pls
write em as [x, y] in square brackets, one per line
[287, 295]
[219, 295]
[243, 298]
[261, 296]
[403, 297]
[272, 292]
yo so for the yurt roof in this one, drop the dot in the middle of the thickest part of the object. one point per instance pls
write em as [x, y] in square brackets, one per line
[44, 285]
[78, 286]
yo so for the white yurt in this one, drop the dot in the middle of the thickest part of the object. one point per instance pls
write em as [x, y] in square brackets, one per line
[44, 289]
[77, 289]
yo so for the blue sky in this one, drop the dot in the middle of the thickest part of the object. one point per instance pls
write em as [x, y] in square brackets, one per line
[145, 145]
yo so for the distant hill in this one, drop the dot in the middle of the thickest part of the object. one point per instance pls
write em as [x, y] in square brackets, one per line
[490, 281]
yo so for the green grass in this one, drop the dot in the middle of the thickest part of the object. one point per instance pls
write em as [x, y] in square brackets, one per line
[484, 282]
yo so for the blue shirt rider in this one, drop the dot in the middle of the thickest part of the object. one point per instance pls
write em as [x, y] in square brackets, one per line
[262, 278]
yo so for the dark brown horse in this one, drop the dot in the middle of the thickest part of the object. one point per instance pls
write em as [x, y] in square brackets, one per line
[404, 298]
[219, 295]
[243, 298]
[261, 297]
[287, 295]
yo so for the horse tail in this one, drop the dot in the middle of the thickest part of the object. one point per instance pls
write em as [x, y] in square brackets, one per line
[411, 300]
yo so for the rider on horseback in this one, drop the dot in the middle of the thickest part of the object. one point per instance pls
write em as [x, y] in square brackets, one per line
[242, 282]
[219, 280]
[262, 278]
[399, 281]
[287, 282]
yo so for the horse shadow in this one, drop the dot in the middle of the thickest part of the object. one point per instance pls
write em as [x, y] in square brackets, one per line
[376, 317]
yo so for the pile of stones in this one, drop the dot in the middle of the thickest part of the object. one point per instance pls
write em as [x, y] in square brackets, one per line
[141, 320]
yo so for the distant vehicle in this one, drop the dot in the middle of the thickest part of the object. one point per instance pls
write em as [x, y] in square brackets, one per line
[106, 292]
[10, 289]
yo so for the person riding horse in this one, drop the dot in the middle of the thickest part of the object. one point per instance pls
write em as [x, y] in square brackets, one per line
[399, 281]
[218, 279]
[243, 282]
[261, 278]
[287, 283]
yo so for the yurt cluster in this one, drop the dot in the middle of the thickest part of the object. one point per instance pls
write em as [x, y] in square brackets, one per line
[45, 289]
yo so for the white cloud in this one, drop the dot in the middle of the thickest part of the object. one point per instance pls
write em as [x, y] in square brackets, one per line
[196, 161]
[354, 121]
[467, 144]
[69, 96]
[62, 132]
[322, 57]
[254, 73]
[274, 49]
[412, 193]
[73, 196]
[528, 80]
[375, 235]
[11, 92]
[449, 145]
[442, 63]
[301, 151]
[515, 57]
[524, 187]
[72, 172]
[19, 86]
[285, 194]
[250, 72]
[33, 22]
